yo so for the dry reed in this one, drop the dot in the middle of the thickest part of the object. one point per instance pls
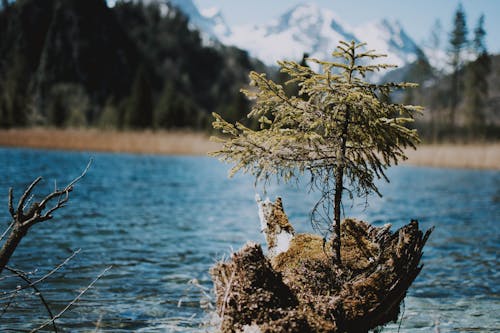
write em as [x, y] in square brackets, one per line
[474, 156]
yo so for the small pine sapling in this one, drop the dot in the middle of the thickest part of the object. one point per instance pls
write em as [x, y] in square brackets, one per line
[340, 129]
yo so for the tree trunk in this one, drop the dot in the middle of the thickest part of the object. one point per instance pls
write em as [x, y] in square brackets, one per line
[10, 245]
[339, 188]
[454, 97]
[339, 175]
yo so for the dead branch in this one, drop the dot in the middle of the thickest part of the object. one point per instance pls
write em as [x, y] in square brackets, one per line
[11, 299]
[31, 284]
[52, 271]
[70, 304]
[24, 219]
[7, 230]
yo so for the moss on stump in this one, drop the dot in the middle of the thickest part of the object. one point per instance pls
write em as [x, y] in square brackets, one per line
[301, 290]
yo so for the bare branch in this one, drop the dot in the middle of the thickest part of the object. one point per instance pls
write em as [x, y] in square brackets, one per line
[11, 205]
[84, 172]
[25, 195]
[24, 220]
[55, 269]
[6, 307]
[37, 215]
[7, 230]
[24, 277]
[51, 272]
[70, 304]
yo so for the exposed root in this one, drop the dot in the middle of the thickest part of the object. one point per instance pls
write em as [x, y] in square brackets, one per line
[302, 291]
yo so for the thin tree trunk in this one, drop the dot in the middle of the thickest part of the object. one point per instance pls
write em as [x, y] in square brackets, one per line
[454, 97]
[339, 175]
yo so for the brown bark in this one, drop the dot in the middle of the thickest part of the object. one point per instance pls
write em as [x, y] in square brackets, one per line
[339, 186]
[23, 219]
[10, 245]
[307, 293]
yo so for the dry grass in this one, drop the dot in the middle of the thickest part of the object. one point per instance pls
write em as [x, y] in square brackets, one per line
[145, 142]
[477, 156]
[470, 156]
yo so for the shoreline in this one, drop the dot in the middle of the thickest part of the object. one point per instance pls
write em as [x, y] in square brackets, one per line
[460, 156]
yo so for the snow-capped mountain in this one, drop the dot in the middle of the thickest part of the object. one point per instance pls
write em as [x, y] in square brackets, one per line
[310, 29]
[388, 37]
[306, 28]
[303, 29]
[210, 23]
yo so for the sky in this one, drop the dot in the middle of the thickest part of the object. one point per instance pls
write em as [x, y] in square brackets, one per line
[416, 16]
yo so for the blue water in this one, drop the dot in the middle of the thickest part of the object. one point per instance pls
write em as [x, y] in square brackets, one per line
[162, 221]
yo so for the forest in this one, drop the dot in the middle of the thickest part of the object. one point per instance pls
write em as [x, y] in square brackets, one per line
[74, 64]
[82, 64]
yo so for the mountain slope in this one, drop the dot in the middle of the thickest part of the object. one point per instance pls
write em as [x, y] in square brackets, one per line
[388, 37]
[305, 28]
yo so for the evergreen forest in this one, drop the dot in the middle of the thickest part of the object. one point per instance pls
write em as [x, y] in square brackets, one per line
[74, 63]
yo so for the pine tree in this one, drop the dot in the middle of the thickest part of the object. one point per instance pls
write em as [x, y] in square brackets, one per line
[342, 135]
[139, 112]
[476, 89]
[458, 42]
[165, 110]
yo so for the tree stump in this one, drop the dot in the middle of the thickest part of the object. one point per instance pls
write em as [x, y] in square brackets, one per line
[303, 291]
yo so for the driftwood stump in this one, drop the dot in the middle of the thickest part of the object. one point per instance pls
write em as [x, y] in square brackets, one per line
[302, 291]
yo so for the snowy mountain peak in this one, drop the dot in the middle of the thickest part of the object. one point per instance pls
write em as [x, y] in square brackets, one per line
[388, 37]
[305, 28]
[210, 22]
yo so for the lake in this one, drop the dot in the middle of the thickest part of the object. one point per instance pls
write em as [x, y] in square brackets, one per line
[162, 221]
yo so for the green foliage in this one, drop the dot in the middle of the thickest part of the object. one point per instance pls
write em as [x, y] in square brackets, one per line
[109, 117]
[190, 79]
[342, 133]
[174, 110]
[479, 36]
[107, 45]
[458, 42]
[139, 113]
[68, 105]
[458, 36]
[13, 108]
[476, 88]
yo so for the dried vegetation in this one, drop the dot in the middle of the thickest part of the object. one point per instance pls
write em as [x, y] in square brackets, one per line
[302, 291]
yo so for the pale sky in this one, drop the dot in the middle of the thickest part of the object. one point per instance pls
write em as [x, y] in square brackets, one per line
[416, 16]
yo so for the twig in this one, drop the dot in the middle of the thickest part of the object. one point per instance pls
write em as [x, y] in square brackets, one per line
[55, 269]
[11, 205]
[98, 324]
[7, 230]
[36, 215]
[23, 276]
[6, 307]
[227, 293]
[70, 304]
[25, 195]
[84, 172]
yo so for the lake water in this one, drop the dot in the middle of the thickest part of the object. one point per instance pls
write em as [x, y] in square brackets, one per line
[162, 221]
